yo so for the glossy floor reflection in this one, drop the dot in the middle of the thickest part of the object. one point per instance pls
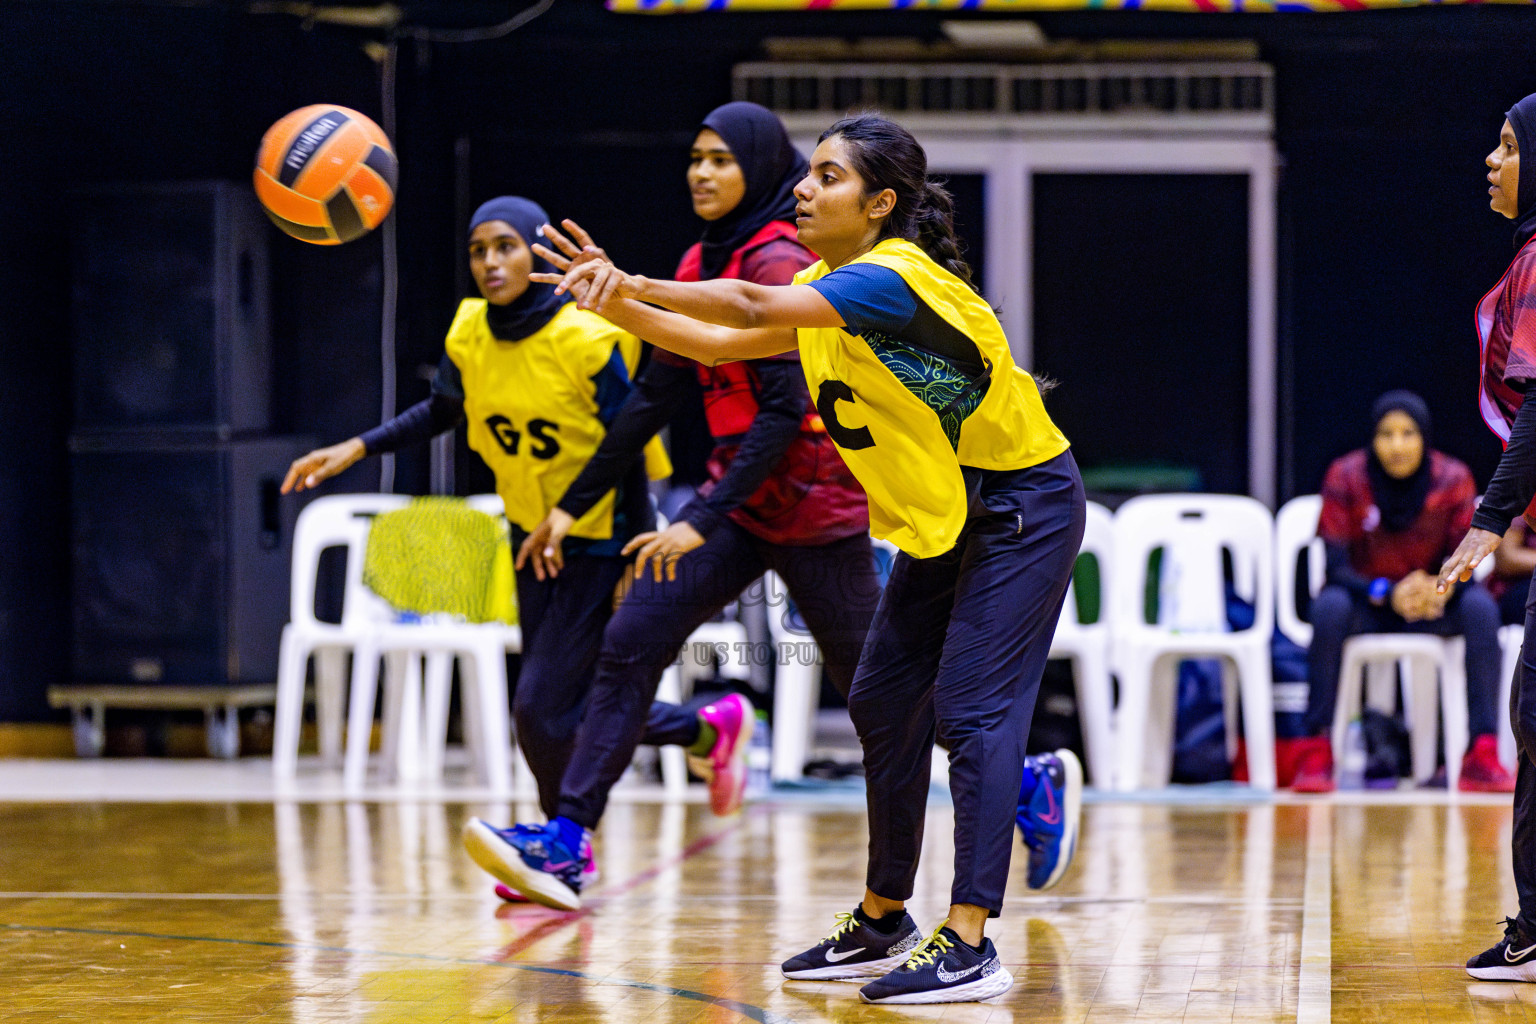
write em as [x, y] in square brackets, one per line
[370, 912]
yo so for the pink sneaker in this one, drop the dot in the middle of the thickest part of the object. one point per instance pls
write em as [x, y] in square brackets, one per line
[725, 769]
[589, 877]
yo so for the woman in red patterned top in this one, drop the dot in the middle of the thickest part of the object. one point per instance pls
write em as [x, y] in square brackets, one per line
[1506, 328]
[1391, 513]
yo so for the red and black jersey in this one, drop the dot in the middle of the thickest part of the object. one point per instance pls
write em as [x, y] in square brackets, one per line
[1506, 332]
[808, 496]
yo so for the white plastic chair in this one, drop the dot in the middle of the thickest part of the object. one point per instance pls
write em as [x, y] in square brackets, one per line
[1428, 663]
[1295, 532]
[481, 652]
[795, 686]
[332, 521]
[1087, 645]
[1510, 640]
[797, 676]
[438, 678]
[1193, 530]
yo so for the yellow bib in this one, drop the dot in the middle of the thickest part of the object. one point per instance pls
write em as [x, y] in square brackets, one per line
[531, 405]
[892, 440]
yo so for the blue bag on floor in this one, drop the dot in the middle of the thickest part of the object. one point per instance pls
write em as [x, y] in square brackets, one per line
[1200, 725]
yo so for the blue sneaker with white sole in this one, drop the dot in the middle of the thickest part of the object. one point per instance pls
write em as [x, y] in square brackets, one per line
[1050, 803]
[942, 970]
[530, 859]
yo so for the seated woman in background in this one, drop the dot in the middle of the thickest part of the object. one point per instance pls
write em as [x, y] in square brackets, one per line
[1392, 512]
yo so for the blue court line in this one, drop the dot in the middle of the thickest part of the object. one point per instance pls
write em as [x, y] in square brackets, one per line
[747, 1010]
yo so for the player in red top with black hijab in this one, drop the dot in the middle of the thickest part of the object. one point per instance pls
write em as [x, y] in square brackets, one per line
[1506, 328]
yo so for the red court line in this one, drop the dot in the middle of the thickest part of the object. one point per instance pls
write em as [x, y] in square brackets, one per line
[698, 846]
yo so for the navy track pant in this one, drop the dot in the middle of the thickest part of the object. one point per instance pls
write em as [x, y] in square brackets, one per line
[1522, 717]
[562, 622]
[834, 586]
[955, 653]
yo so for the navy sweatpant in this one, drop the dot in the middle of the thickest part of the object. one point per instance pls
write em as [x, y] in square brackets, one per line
[1337, 615]
[834, 586]
[1522, 717]
[562, 622]
[955, 653]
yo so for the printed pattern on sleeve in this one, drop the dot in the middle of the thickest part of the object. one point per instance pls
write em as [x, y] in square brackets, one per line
[1515, 317]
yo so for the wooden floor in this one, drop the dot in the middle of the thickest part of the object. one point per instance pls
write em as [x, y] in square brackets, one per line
[371, 912]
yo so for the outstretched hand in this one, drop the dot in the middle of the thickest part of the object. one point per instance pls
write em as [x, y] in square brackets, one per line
[1474, 547]
[587, 272]
[307, 471]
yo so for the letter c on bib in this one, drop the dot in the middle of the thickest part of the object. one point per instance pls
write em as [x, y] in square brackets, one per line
[827, 396]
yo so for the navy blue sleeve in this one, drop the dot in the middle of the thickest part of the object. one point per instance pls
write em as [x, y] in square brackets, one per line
[781, 401]
[613, 386]
[659, 390]
[1340, 572]
[425, 419]
[868, 297]
[448, 381]
[1514, 481]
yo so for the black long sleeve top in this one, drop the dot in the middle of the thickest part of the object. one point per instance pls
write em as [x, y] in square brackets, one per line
[1514, 482]
[658, 394]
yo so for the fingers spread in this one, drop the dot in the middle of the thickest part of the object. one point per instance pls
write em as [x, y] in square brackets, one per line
[577, 232]
[638, 540]
[560, 242]
[549, 254]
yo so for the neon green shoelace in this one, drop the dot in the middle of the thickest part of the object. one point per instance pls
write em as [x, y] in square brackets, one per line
[845, 924]
[933, 947]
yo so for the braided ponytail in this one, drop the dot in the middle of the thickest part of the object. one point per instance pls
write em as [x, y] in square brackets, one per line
[934, 219]
[886, 156]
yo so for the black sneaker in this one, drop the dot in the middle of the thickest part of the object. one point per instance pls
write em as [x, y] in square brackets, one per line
[854, 951]
[1513, 959]
[942, 970]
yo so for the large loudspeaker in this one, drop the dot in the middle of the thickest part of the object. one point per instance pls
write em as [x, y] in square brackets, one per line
[181, 560]
[170, 309]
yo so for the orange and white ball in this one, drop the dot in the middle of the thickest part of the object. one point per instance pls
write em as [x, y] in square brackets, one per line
[326, 174]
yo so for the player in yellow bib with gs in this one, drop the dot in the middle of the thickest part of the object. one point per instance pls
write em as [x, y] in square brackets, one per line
[537, 380]
[966, 474]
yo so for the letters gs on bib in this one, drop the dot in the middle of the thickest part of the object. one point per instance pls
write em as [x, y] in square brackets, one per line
[828, 395]
[544, 446]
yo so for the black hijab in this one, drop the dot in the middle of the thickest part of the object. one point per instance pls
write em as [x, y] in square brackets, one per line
[1399, 501]
[1522, 118]
[771, 166]
[537, 305]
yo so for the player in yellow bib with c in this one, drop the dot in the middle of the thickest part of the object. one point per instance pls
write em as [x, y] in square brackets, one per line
[966, 474]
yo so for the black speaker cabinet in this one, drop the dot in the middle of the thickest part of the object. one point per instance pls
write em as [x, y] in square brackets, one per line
[170, 319]
[181, 559]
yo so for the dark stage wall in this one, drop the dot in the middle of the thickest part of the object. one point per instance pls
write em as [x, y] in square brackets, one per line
[1387, 242]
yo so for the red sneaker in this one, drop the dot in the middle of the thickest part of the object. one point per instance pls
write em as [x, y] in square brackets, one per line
[1314, 766]
[1481, 771]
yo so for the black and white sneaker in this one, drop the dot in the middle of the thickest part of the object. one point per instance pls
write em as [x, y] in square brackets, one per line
[942, 970]
[854, 951]
[1513, 959]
